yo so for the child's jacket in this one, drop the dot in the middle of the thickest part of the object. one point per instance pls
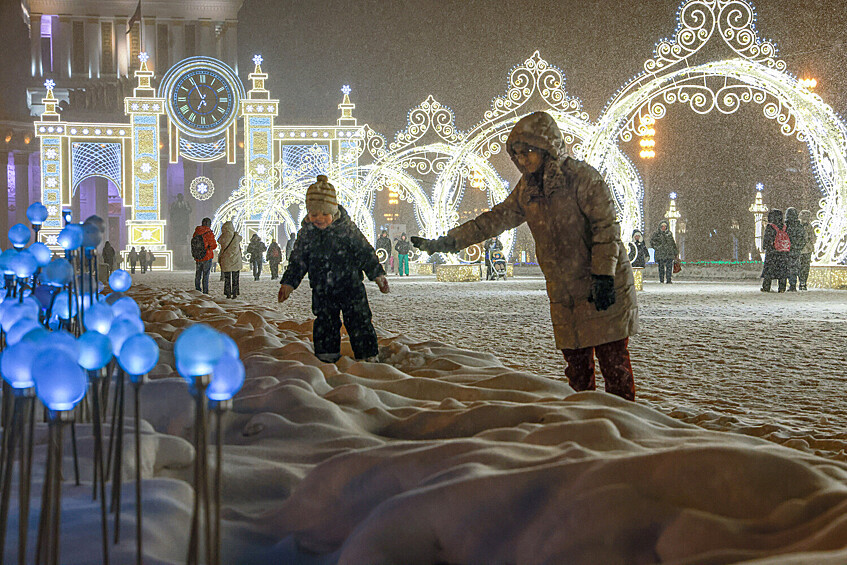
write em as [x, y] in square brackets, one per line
[335, 257]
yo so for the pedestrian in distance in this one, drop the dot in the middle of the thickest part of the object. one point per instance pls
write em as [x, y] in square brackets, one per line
[332, 250]
[797, 239]
[133, 259]
[665, 251]
[403, 248]
[775, 244]
[638, 250]
[203, 247]
[571, 215]
[808, 248]
[289, 245]
[384, 243]
[230, 258]
[274, 257]
[150, 259]
[142, 259]
[256, 250]
[108, 255]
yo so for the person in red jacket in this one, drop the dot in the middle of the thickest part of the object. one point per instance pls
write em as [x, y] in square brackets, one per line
[201, 274]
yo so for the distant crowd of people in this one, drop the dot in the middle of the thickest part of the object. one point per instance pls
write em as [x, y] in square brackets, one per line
[788, 242]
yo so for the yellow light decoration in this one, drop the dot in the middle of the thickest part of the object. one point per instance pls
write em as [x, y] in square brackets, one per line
[458, 273]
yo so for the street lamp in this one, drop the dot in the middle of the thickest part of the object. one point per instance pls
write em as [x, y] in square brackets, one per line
[672, 214]
[758, 209]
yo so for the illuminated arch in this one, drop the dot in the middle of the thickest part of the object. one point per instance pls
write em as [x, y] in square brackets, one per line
[754, 75]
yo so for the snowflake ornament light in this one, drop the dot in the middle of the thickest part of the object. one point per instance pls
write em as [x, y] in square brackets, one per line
[346, 89]
[202, 188]
[143, 57]
[49, 84]
[257, 60]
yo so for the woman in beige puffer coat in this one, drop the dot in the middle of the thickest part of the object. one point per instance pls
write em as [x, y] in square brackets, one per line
[230, 258]
[571, 214]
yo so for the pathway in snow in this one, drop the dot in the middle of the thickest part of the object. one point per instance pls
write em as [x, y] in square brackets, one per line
[722, 355]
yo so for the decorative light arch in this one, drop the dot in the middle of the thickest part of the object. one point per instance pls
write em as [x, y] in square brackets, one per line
[753, 75]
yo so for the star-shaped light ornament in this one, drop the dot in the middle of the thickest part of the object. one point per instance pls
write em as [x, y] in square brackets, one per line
[346, 90]
[673, 195]
[49, 84]
[257, 60]
[202, 188]
[143, 57]
[760, 187]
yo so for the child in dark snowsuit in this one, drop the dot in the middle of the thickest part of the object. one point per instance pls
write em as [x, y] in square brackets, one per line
[334, 252]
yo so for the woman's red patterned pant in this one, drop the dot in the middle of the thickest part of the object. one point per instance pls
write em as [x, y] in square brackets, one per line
[614, 365]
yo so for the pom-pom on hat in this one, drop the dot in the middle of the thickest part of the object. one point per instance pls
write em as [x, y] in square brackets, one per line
[321, 198]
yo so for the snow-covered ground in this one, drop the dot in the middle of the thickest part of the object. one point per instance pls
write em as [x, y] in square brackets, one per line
[722, 355]
[444, 454]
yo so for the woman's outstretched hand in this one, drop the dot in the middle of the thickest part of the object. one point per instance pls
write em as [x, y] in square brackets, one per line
[382, 283]
[285, 291]
[444, 244]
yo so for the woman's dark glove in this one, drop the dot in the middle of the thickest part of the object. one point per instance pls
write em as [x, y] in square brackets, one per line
[444, 244]
[602, 291]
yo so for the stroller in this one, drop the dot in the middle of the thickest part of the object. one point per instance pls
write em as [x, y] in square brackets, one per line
[496, 265]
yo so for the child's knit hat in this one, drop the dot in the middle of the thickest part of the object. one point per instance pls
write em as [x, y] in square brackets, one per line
[321, 198]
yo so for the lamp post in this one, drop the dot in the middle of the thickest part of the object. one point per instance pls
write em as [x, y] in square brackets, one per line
[758, 209]
[681, 224]
[672, 214]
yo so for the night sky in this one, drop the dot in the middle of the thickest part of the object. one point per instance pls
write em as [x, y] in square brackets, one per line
[395, 53]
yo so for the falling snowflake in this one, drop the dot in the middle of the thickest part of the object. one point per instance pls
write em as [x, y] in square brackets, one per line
[51, 182]
[145, 168]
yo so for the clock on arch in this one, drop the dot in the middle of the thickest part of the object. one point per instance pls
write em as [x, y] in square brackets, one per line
[202, 96]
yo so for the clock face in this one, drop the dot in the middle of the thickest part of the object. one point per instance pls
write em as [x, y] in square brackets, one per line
[203, 100]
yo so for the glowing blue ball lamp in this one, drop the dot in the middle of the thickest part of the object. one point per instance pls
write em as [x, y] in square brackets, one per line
[98, 318]
[41, 253]
[22, 327]
[119, 333]
[16, 365]
[58, 272]
[11, 312]
[36, 213]
[19, 236]
[126, 306]
[60, 384]
[197, 350]
[120, 280]
[227, 379]
[95, 350]
[64, 306]
[70, 238]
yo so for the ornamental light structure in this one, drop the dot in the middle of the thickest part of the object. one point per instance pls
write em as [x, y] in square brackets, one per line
[758, 209]
[672, 214]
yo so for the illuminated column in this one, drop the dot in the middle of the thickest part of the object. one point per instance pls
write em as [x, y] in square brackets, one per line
[4, 199]
[759, 209]
[54, 167]
[62, 42]
[121, 48]
[682, 229]
[146, 227]
[259, 111]
[672, 214]
[93, 46]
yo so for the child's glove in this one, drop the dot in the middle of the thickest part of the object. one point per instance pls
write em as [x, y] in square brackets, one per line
[382, 283]
[444, 244]
[285, 291]
[602, 291]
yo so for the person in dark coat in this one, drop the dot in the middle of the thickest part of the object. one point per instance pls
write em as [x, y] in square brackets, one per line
[289, 245]
[403, 248]
[108, 255]
[797, 236]
[332, 250]
[133, 259]
[256, 249]
[666, 251]
[274, 257]
[383, 242]
[638, 250]
[204, 265]
[776, 261]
